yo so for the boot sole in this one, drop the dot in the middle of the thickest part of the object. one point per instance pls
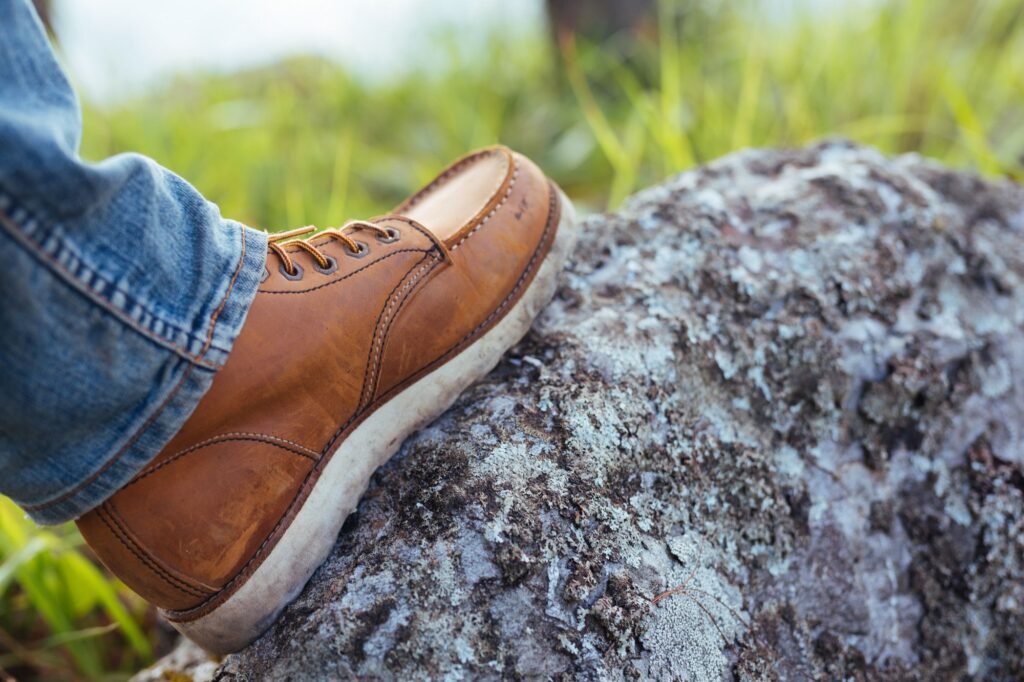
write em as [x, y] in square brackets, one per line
[307, 541]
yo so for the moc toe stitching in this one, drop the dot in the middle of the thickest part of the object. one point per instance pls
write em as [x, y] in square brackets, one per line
[490, 214]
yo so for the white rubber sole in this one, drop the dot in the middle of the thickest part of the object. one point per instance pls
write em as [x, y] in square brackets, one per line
[312, 533]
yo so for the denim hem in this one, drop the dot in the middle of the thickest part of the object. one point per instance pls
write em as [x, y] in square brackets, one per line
[48, 243]
[226, 322]
[184, 383]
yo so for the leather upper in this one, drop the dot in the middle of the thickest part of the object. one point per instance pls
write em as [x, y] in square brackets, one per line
[316, 355]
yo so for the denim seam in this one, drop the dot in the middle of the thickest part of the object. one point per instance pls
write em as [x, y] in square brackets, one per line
[83, 278]
[210, 332]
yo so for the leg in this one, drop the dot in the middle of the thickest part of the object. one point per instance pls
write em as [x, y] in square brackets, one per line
[123, 293]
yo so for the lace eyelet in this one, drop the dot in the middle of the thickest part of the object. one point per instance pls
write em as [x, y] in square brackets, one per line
[332, 266]
[364, 249]
[297, 275]
[393, 236]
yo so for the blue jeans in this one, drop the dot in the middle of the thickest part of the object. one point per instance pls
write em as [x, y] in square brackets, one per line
[122, 291]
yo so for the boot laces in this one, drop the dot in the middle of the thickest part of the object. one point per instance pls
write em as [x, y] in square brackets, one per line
[278, 242]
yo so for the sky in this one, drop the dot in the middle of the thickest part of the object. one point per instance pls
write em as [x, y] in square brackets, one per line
[115, 49]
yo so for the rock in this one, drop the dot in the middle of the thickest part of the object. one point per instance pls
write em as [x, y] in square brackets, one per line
[772, 426]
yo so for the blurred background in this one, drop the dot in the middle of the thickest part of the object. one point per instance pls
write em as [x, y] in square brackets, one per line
[317, 111]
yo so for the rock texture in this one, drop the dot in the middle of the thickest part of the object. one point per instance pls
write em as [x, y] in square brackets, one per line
[772, 427]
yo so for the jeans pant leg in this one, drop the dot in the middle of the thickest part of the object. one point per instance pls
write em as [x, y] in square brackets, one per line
[121, 293]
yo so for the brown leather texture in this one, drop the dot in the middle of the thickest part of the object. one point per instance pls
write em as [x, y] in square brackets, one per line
[318, 353]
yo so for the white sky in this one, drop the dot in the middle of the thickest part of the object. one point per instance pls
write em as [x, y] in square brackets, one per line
[115, 48]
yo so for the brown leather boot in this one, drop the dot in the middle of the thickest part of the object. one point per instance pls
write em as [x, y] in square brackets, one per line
[356, 338]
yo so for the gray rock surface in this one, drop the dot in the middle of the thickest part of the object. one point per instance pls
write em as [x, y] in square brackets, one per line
[772, 427]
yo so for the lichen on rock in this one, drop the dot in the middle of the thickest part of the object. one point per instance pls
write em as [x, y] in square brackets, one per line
[786, 388]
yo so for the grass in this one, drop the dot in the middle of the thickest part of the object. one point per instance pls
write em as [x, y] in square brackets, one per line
[62, 616]
[307, 142]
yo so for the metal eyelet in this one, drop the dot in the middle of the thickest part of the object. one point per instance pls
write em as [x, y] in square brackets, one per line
[332, 266]
[288, 275]
[363, 250]
[393, 236]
